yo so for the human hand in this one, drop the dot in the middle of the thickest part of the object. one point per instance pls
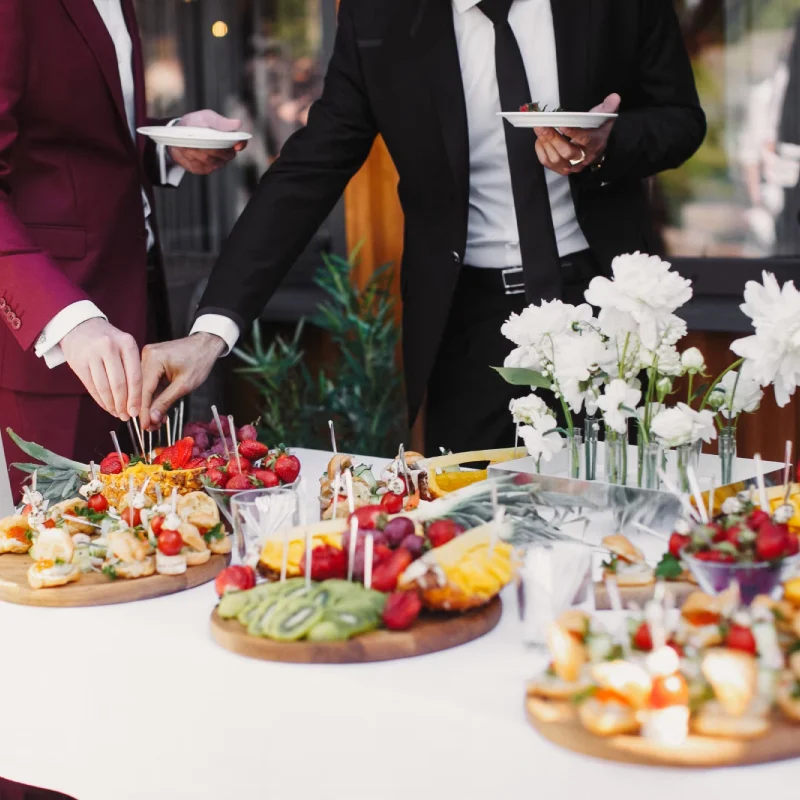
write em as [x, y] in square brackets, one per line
[107, 362]
[204, 162]
[583, 146]
[179, 367]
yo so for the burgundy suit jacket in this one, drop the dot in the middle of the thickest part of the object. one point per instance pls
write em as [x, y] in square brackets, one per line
[71, 219]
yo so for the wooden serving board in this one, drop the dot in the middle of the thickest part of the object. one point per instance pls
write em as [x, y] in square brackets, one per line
[429, 634]
[639, 595]
[563, 728]
[95, 589]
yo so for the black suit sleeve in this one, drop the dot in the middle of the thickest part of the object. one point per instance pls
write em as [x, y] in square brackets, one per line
[298, 191]
[663, 124]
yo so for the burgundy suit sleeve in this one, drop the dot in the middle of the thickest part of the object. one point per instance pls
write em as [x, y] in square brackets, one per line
[32, 287]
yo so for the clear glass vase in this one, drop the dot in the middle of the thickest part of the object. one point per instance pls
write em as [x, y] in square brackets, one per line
[591, 434]
[616, 457]
[650, 459]
[727, 454]
[686, 457]
[575, 448]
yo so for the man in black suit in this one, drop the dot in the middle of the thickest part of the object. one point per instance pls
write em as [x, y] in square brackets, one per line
[495, 216]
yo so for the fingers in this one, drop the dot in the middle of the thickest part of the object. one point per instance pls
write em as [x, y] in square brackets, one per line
[85, 376]
[153, 369]
[115, 374]
[104, 395]
[133, 374]
[168, 398]
[610, 105]
[555, 152]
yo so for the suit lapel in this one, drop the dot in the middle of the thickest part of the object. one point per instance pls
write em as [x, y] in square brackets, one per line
[91, 26]
[140, 97]
[575, 53]
[434, 38]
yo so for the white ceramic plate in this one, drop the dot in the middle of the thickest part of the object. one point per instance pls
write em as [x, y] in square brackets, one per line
[200, 138]
[555, 119]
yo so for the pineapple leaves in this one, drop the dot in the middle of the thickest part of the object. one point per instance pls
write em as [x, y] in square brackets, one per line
[46, 456]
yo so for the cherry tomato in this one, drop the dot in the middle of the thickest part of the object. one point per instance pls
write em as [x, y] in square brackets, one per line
[642, 640]
[392, 503]
[156, 523]
[170, 543]
[741, 638]
[97, 503]
[132, 516]
[670, 690]
[18, 532]
[236, 579]
[27, 510]
[49, 523]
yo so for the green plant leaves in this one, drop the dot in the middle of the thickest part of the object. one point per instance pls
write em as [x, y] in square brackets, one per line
[517, 376]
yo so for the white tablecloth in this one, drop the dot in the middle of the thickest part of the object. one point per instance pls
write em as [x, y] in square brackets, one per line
[136, 700]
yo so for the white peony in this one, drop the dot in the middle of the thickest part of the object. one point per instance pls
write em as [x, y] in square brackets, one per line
[539, 322]
[541, 441]
[693, 361]
[774, 350]
[618, 403]
[524, 357]
[641, 299]
[528, 409]
[672, 427]
[747, 397]
[702, 423]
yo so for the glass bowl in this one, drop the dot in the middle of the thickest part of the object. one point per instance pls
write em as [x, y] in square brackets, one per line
[754, 578]
[222, 497]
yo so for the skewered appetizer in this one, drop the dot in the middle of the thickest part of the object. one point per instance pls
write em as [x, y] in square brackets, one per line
[444, 474]
[626, 563]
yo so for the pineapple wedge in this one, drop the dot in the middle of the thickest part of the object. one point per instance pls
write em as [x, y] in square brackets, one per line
[115, 487]
[465, 573]
[438, 483]
[329, 532]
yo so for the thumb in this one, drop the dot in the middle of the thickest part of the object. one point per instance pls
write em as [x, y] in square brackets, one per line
[220, 123]
[609, 105]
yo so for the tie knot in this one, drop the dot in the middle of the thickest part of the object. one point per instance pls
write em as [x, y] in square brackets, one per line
[496, 10]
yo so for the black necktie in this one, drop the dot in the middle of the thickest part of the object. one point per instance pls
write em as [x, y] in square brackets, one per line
[537, 240]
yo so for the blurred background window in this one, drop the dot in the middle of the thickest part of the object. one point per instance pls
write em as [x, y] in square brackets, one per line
[739, 197]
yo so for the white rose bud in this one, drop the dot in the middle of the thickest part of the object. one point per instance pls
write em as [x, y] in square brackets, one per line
[717, 398]
[664, 386]
[692, 361]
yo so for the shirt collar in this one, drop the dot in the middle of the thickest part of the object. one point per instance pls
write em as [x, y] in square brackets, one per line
[464, 5]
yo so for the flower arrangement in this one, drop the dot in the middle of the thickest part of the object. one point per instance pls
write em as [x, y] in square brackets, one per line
[618, 356]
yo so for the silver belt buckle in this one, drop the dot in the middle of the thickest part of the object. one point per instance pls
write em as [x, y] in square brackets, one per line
[510, 286]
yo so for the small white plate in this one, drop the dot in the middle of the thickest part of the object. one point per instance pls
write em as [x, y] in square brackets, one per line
[556, 119]
[200, 138]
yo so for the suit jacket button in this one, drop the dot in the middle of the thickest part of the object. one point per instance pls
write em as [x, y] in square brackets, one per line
[2, 303]
[16, 324]
[456, 257]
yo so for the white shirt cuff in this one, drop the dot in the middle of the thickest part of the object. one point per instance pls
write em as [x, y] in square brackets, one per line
[48, 345]
[171, 174]
[219, 325]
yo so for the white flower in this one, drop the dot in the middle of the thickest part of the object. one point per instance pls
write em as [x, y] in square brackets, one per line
[663, 386]
[549, 319]
[747, 396]
[524, 357]
[541, 441]
[641, 298]
[702, 423]
[672, 427]
[774, 349]
[618, 403]
[528, 409]
[693, 361]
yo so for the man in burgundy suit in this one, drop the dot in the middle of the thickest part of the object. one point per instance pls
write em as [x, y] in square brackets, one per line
[81, 279]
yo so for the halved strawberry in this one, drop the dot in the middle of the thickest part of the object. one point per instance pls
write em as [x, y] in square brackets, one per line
[195, 463]
[177, 456]
[215, 461]
[239, 482]
[110, 464]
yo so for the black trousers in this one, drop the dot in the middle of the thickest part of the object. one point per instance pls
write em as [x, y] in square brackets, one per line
[467, 401]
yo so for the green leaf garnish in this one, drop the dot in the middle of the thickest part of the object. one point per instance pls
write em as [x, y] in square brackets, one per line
[669, 568]
[110, 572]
[611, 564]
[584, 694]
[215, 533]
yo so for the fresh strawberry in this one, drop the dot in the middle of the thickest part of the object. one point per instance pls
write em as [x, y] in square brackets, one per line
[380, 553]
[717, 532]
[252, 450]
[386, 574]
[441, 531]
[195, 463]
[287, 467]
[393, 503]
[177, 456]
[757, 518]
[216, 477]
[771, 541]
[239, 467]
[215, 461]
[267, 477]
[792, 545]
[326, 562]
[676, 647]
[642, 640]
[370, 518]
[239, 483]
[741, 638]
[110, 464]
[716, 556]
[677, 541]
[401, 610]
[732, 535]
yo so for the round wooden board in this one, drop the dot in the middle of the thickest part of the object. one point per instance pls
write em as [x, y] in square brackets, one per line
[95, 589]
[639, 595]
[781, 742]
[429, 634]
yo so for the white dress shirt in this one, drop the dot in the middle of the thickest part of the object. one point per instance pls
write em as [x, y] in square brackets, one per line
[492, 236]
[48, 344]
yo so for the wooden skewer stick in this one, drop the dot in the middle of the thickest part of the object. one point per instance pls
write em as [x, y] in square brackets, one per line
[218, 422]
[118, 449]
[368, 550]
[650, 531]
[351, 550]
[333, 436]
[285, 553]
[82, 520]
[687, 506]
[787, 472]
[308, 555]
[698, 495]
[133, 438]
[169, 432]
[180, 421]
[762, 487]
[149, 447]
[139, 435]
[337, 478]
[234, 443]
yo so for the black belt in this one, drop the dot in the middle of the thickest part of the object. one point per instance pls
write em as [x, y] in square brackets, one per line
[575, 268]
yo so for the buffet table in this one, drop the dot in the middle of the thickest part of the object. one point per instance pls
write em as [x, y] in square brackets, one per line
[137, 701]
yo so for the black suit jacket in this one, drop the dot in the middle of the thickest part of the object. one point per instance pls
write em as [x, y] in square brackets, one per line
[395, 72]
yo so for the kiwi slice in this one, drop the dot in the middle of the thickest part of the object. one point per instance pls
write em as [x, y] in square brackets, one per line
[293, 619]
[326, 631]
[232, 603]
[352, 621]
[260, 618]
